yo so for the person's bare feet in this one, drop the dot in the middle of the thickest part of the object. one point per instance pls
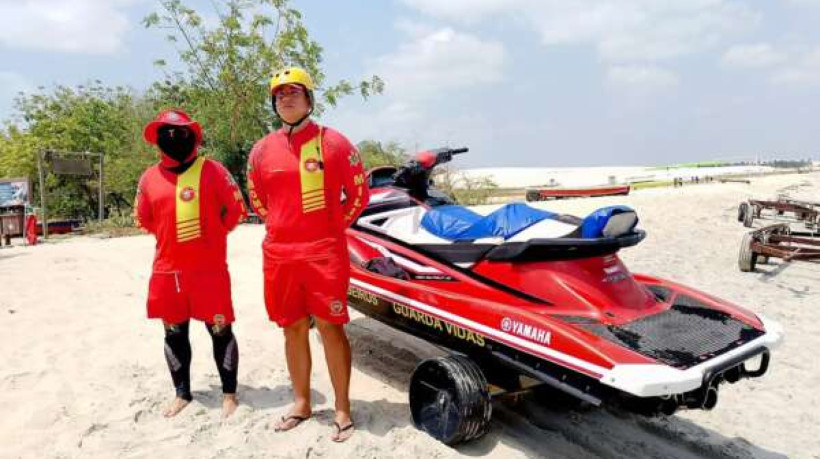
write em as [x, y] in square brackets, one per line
[229, 405]
[175, 407]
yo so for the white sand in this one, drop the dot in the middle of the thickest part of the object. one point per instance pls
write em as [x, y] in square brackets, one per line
[83, 372]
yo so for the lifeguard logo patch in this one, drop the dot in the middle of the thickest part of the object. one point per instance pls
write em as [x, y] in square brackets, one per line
[336, 308]
[311, 165]
[187, 194]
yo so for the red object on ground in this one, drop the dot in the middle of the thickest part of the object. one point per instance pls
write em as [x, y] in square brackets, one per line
[581, 192]
[31, 229]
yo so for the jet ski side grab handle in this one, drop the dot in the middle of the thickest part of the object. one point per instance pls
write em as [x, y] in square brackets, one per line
[562, 248]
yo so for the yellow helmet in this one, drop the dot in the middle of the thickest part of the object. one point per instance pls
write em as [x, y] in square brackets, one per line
[292, 75]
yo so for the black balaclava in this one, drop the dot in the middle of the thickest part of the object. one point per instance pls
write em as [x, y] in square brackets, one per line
[178, 142]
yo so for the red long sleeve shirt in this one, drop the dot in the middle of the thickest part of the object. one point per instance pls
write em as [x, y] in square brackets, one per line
[308, 189]
[190, 214]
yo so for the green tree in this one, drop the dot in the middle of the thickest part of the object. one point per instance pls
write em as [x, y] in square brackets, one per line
[227, 67]
[375, 154]
[91, 118]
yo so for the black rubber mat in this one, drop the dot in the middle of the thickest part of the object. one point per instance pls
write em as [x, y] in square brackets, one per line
[683, 336]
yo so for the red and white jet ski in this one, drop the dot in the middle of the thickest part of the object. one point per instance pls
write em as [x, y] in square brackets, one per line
[524, 296]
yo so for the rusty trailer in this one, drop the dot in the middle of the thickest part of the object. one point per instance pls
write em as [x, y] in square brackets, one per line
[777, 241]
[781, 209]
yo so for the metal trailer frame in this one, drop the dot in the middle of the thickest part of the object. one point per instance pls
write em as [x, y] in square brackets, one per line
[799, 211]
[777, 241]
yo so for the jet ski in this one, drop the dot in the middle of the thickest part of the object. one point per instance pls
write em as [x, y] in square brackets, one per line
[523, 298]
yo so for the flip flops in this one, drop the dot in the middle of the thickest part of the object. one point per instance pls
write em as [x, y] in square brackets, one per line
[342, 433]
[286, 423]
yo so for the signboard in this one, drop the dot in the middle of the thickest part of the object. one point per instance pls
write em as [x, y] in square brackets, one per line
[14, 192]
[72, 167]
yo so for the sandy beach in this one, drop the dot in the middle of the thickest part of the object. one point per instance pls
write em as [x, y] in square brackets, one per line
[84, 374]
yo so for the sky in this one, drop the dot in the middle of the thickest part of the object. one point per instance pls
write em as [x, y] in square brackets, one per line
[519, 82]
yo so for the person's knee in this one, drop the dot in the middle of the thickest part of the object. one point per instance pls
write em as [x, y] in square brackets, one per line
[175, 330]
[329, 328]
[219, 330]
[297, 330]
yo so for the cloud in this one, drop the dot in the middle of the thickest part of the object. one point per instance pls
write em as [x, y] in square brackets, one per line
[804, 72]
[643, 76]
[428, 80]
[620, 30]
[435, 61]
[463, 10]
[752, 56]
[74, 26]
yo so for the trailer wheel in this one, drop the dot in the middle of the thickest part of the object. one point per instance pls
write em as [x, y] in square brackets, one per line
[449, 399]
[747, 259]
[741, 211]
[749, 216]
[533, 196]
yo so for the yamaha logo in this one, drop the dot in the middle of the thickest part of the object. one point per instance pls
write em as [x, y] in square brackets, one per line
[528, 331]
[187, 194]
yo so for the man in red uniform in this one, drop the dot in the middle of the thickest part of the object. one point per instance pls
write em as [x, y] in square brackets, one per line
[307, 182]
[190, 204]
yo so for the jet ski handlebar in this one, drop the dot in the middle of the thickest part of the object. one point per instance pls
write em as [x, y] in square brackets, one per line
[432, 158]
[414, 175]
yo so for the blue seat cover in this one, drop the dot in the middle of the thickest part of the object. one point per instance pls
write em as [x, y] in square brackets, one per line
[594, 224]
[457, 223]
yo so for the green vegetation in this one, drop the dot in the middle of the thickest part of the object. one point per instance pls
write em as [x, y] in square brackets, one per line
[223, 84]
[695, 165]
[465, 190]
[653, 184]
[375, 154]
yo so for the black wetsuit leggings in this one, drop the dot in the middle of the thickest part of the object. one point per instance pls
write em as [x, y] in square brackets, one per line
[178, 355]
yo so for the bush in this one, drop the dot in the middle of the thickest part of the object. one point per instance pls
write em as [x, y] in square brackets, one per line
[118, 224]
[465, 190]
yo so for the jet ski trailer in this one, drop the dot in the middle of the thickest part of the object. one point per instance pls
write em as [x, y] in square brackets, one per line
[524, 296]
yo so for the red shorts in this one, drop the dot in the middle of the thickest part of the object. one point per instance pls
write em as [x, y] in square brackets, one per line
[297, 289]
[181, 296]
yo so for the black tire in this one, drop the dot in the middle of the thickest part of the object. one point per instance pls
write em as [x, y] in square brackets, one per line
[746, 259]
[741, 211]
[749, 216]
[449, 399]
[533, 196]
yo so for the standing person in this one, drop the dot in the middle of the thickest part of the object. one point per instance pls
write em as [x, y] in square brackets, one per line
[190, 204]
[307, 182]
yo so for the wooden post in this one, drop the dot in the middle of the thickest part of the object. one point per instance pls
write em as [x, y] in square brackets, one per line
[102, 194]
[42, 192]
